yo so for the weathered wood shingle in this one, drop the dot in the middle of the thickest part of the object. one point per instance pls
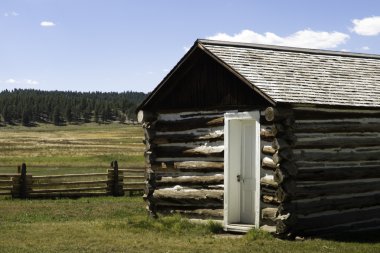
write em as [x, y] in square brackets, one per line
[304, 76]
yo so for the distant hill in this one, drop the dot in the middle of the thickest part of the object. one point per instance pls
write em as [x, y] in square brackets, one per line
[27, 106]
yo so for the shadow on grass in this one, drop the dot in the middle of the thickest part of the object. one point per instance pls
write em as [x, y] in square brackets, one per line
[172, 224]
[355, 237]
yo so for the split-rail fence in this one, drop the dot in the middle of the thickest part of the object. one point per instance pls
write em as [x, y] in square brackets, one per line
[112, 182]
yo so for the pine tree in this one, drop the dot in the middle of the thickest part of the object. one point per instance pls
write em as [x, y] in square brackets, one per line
[8, 113]
[108, 112]
[87, 116]
[96, 115]
[104, 115]
[83, 106]
[57, 117]
[26, 117]
[122, 118]
[69, 114]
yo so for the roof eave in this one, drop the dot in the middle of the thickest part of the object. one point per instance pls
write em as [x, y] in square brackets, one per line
[298, 105]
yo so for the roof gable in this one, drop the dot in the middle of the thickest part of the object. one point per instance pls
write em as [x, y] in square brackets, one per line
[200, 81]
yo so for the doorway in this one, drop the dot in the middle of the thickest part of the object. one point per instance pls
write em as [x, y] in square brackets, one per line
[241, 171]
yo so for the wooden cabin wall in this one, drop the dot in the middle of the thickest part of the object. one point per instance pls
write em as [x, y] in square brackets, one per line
[184, 155]
[327, 167]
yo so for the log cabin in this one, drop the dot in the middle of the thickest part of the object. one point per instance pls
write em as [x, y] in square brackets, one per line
[259, 136]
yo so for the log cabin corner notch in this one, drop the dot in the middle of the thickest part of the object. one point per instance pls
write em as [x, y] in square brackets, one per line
[289, 136]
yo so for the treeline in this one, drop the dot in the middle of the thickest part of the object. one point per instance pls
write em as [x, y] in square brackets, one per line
[28, 107]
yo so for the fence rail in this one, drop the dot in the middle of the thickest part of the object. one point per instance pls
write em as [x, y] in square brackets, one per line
[114, 182]
[133, 180]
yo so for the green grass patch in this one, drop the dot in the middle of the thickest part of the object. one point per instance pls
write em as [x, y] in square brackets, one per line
[214, 227]
[254, 235]
[110, 224]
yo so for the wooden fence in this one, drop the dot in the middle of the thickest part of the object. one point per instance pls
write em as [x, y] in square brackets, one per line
[113, 182]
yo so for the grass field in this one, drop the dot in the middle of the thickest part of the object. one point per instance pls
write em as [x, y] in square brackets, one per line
[50, 149]
[110, 224]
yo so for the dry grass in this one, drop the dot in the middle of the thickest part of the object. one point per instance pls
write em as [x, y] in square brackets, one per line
[84, 148]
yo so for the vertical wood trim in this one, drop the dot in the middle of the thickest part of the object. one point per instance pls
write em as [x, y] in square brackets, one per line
[257, 170]
[225, 171]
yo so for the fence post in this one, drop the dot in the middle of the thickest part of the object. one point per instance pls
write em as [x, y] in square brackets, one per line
[110, 180]
[115, 179]
[23, 182]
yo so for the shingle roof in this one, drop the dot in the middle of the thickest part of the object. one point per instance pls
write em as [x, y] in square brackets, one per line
[305, 76]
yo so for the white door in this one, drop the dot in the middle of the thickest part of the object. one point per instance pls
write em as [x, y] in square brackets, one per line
[242, 171]
[247, 183]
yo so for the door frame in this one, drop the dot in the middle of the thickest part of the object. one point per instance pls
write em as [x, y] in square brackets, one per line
[232, 206]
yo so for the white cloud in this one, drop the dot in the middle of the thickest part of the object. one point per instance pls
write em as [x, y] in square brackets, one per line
[305, 38]
[367, 26]
[186, 48]
[10, 81]
[32, 82]
[23, 82]
[12, 13]
[365, 48]
[47, 24]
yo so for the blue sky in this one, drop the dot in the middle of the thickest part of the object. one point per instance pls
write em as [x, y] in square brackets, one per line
[120, 45]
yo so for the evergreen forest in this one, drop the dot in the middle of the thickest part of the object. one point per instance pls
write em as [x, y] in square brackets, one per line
[30, 107]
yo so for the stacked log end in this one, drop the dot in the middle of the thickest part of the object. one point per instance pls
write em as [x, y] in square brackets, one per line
[277, 167]
[184, 158]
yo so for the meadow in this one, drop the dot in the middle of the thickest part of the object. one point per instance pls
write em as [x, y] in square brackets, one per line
[110, 224]
[49, 149]
[115, 224]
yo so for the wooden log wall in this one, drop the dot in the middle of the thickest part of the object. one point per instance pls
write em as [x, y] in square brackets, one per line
[184, 157]
[327, 170]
